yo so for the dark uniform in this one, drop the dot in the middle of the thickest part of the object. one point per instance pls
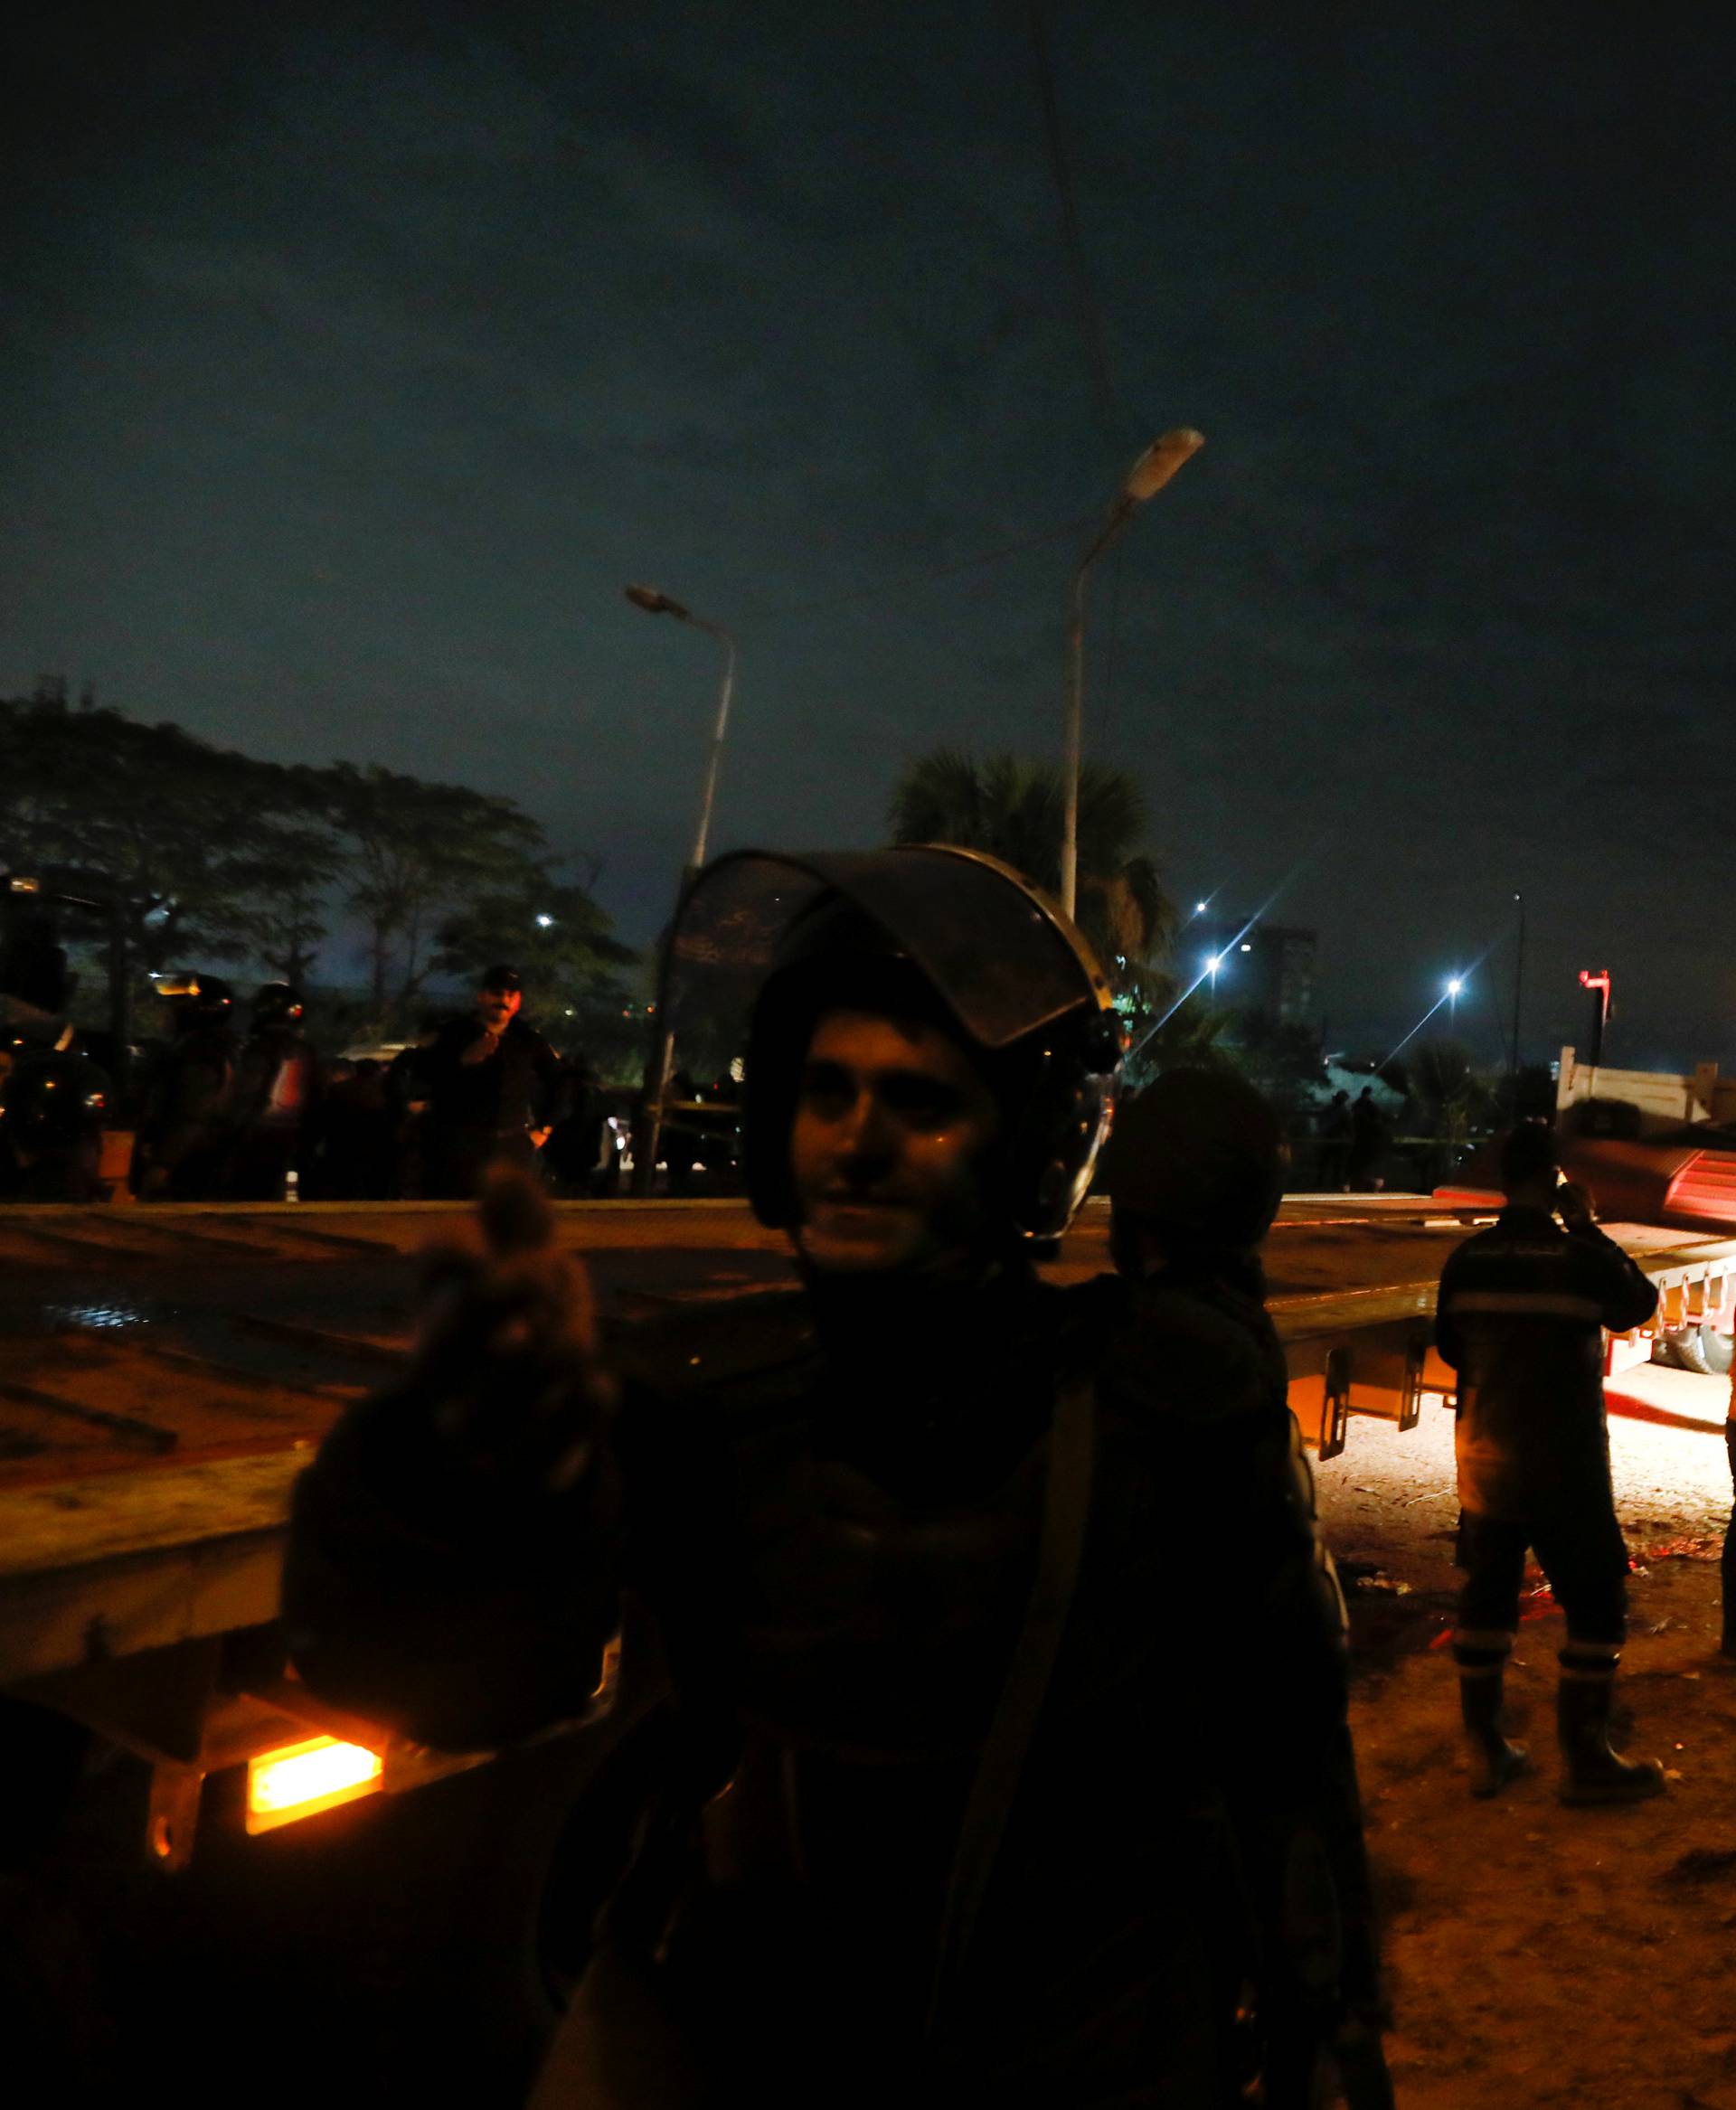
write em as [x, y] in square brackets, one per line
[1006, 1794]
[182, 1143]
[1520, 1317]
[481, 1112]
[52, 1100]
[274, 1099]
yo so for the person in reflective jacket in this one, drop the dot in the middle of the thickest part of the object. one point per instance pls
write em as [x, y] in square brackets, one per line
[1520, 1316]
[929, 1834]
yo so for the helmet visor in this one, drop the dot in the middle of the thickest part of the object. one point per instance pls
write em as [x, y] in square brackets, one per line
[1002, 961]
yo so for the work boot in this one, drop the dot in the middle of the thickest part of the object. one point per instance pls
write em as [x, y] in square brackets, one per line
[1493, 1760]
[1596, 1773]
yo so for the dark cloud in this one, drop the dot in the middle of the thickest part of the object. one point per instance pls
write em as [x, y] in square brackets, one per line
[360, 357]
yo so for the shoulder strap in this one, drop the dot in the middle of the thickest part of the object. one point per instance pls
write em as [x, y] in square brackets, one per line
[1066, 1508]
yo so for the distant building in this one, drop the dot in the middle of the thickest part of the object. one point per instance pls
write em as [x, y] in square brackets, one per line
[1268, 968]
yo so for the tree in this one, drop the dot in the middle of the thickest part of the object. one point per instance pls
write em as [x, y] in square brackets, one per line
[557, 936]
[1281, 1059]
[417, 853]
[187, 850]
[1015, 809]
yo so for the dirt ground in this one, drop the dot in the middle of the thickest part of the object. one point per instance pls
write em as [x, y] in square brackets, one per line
[1541, 1955]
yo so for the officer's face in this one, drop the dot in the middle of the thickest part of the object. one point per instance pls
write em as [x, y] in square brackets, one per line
[892, 1121]
[496, 1007]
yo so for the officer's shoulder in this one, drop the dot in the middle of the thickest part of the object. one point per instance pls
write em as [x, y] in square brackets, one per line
[687, 1350]
[1191, 1358]
[1500, 1240]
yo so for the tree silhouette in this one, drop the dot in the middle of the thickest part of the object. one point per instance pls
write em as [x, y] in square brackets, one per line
[561, 942]
[416, 853]
[1014, 809]
[186, 850]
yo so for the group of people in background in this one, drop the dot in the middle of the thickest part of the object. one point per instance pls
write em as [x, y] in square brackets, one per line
[257, 1115]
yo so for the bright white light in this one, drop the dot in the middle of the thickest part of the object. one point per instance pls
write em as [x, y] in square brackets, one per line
[1212, 962]
[1455, 984]
[1199, 908]
[543, 922]
[1246, 947]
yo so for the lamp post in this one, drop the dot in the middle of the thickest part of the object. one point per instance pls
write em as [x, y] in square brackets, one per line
[1518, 989]
[661, 604]
[1146, 477]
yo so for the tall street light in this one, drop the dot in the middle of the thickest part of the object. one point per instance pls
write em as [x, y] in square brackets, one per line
[1518, 991]
[1146, 477]
[661, 604]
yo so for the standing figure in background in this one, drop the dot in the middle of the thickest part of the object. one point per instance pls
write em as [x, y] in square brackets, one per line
[1727, 1646]
[180, 1145]
[1367, 1142]
[275, 1099]
[1521, 1316]
[495, 1090]
[53, 1102]
[1335, 1130]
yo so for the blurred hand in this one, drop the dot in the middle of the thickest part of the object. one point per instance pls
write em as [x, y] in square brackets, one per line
[506, 1356]
[1574, 1206]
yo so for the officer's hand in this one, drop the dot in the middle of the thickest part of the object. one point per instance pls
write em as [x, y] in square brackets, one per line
[507, 1357]
[1574, 1206]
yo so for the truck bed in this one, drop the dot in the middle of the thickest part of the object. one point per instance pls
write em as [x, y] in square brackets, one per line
[164, 1372]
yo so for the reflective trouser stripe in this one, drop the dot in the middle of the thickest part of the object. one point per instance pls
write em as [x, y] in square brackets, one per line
[1527, 1303]
[1481, 1651]
[1590, 1661]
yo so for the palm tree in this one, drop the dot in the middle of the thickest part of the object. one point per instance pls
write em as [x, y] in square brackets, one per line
[1012, 808]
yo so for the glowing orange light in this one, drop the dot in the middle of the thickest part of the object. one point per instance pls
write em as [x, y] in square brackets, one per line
[296, 1780]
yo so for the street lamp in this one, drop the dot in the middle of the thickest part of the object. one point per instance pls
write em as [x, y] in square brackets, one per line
[661, 604]
[1518, 991]
[545, 921]
[1144, 480]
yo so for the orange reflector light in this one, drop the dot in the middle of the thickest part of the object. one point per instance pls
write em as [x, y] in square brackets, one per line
[298, 1779]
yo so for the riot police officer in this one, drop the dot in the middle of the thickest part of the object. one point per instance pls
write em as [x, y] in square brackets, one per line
[180, 1145]
[942, 1826]
[495, 1090]
[53, 1102]
[274, 1098]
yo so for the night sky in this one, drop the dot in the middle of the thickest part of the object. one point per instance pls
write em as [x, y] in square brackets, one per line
[356, 359]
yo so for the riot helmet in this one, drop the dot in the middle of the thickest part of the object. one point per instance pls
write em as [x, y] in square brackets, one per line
[195, 1000]
[278, 1004]
[52, 1099]
[949, 936]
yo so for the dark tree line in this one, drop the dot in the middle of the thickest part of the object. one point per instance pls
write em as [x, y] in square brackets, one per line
[200, 854]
